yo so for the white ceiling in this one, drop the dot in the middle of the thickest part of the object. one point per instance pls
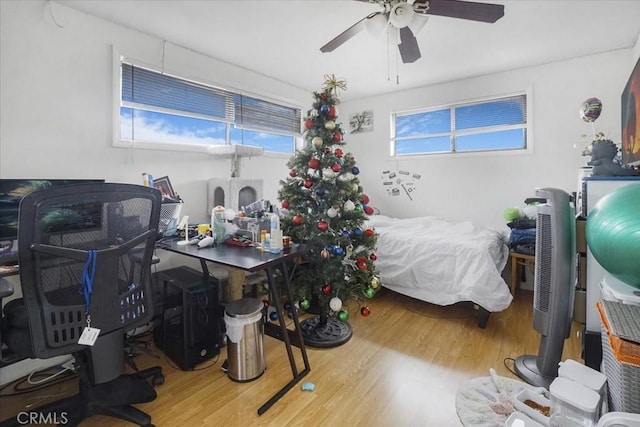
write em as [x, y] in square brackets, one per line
[282, 39]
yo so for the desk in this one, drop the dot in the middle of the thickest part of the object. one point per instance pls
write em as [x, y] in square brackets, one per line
[519, 260]
[252, 260]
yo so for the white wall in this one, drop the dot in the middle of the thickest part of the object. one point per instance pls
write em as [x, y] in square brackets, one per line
[480, 187]
[56, 103]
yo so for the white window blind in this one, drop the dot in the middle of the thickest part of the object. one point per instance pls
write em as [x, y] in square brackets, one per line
[161, 108]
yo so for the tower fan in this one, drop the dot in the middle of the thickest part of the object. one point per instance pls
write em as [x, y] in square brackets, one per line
[554, 286]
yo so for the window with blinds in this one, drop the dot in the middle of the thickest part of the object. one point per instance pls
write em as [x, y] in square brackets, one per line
[165, 110]
[498, 124]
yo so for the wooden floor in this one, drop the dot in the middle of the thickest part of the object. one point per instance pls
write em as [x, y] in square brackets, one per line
[401, 368]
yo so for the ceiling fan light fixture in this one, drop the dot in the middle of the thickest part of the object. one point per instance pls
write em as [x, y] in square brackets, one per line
[376, 24]
[401, 15]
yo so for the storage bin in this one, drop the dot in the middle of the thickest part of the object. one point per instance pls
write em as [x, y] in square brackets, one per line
[586, 376]
[572, 404]
[619, 419]
[621, 366]
[243, 319]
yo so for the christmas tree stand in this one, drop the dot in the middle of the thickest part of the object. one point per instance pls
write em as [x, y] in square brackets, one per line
[324, 332]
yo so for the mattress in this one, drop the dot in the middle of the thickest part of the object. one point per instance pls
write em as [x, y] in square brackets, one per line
[442, 261]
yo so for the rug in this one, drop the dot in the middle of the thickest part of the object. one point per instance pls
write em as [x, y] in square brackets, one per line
[488, 401]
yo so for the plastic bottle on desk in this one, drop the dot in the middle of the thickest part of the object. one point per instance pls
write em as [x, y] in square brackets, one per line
[275, 244]
[263, 239]
[217, 223]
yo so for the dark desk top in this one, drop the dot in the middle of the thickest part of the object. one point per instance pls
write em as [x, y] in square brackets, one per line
[249, 259]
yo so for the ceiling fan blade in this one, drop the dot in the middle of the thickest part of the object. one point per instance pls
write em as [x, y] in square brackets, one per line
[409, 50]
[483, 12]
[347, 34]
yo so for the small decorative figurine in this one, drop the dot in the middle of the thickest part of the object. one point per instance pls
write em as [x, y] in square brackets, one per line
[603, 152]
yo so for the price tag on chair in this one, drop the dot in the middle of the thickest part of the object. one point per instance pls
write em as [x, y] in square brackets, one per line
[89, 336]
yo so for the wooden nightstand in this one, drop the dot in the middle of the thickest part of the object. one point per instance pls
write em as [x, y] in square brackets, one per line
[519, 260]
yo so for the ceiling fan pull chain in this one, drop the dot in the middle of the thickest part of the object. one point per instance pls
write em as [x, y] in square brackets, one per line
[388, 58]
[397, 68]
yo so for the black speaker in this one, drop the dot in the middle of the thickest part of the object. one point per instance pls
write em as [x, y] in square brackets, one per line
[187, 327]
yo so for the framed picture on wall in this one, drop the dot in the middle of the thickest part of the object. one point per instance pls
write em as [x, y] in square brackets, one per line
[164, 186]
[361, 122]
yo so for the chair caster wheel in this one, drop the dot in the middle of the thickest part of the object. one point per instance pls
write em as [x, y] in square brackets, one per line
[158, 380]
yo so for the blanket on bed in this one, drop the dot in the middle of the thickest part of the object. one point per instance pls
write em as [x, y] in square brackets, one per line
[442, 262]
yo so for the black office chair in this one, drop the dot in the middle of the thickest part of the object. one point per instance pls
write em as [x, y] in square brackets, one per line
[85, 255]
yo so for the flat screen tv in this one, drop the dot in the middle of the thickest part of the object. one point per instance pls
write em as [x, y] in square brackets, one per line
[631, 119]
[13, 190]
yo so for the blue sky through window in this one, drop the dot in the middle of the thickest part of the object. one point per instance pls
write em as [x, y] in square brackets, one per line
[142, 125]
[489, 125]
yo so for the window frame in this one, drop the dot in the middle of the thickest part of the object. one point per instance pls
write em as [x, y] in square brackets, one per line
[118, 103]
[527, 127]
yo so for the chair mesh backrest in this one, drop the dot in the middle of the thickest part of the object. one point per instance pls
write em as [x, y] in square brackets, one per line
[58, 229]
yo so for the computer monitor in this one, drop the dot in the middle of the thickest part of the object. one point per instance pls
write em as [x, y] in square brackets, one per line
[13, 190]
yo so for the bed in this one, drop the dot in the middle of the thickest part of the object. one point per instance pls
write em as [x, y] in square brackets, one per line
[443, 262]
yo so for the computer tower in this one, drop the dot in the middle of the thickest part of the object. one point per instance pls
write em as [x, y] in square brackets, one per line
[187, 328]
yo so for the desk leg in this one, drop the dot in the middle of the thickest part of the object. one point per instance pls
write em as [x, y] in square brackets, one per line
[275, 297]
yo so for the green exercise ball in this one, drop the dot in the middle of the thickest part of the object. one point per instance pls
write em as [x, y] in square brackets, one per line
[613, 233]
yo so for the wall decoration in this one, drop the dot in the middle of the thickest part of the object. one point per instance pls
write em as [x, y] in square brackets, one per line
[361, 122]
[400, 183]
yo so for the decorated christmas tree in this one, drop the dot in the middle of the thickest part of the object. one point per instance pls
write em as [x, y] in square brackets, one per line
[327, 214]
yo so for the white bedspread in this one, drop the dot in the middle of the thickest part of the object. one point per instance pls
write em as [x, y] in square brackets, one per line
[441, 261]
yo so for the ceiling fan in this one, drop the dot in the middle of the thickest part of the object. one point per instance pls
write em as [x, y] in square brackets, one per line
[408, 17]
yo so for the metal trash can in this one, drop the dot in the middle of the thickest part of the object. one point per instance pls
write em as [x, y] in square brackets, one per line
[243, 319]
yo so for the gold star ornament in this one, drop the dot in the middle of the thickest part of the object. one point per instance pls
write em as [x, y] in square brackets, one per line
[331, 83]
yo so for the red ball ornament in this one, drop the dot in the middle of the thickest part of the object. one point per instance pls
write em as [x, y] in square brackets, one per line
[337, 137]
[326, 289]
[313, 163]
[338, 152]
[323, 226]
[373, 257]
[293, 173]
[364, 199]
[308, 124]
[285, 204]
[369, 232]
[297, 219]
[362, 266]
[361, 260]
[369, 210]
[266, 302]
[308, 183]
[332, 111]
[365, 311]
[336, 167]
